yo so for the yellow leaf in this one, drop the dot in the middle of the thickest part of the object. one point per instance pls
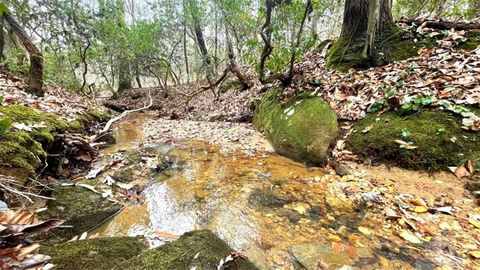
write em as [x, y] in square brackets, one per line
[475, 254]
[408, 236]
[420, 209]
[474, 222]
[365, 230]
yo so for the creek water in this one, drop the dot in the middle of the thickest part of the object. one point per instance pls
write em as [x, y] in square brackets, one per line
[276, 211]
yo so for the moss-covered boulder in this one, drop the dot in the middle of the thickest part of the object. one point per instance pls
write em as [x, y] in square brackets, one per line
[98, 253]
[303, 129]
[25, 148]
[82, 209]
[435, 140]
[201, 250]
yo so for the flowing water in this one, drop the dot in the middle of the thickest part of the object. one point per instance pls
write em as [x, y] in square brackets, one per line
[274, 210]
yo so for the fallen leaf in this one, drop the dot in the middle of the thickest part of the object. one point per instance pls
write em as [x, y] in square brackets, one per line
[474, 222]
[420, 209]
[475, 254]
[365, 230]
[408, 236]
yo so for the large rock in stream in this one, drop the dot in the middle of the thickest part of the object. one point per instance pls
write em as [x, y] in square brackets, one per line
[303, 129]
[436, 140]
[82, 209]
[97, 253]
[200, 250]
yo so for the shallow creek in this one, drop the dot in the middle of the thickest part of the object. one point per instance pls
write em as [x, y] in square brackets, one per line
[274, 210]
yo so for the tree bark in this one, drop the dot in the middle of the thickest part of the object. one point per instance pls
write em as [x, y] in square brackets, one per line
[202, 46]
[35, 80]
[124, 77]
[361, 44]
[2, 39]
[266, 34]
[232, 65]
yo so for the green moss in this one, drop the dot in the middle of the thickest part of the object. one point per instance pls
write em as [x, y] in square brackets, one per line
[390, 47]
[82, 208]
[25, 150]
[98, 253]
[181, 254]
[303, 129]
[345, 55]
[438, 135]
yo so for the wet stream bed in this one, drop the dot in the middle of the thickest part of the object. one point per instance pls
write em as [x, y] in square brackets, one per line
[280, 213]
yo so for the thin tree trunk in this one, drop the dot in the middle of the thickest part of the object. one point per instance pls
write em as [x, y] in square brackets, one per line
[185, 54]
[232, 65]
[35, 80]
[308, 10]
[197, 27]
[2, 39]
[266, 34]
[124, 78]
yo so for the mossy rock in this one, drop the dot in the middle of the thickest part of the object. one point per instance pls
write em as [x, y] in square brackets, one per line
[97, 253]
[303, 129]
[181, 254]
[82, 209]
[27, 149]
[437, 134]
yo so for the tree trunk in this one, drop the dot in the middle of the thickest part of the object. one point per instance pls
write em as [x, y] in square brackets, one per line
[232, 65]
[202, 46]
[266, 34]
[124, 77]
[35, 80]
[361, 45]
[2, 39]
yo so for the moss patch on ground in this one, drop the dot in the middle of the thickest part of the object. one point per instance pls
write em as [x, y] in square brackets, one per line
[98, 253]
[82, 209]
[27, 149]
[437, 134]
[303, 129]
[181, 254]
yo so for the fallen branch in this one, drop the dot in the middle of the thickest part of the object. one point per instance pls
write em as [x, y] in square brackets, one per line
[11, 188]
[207, 87]
[441, 25]
[122, 115]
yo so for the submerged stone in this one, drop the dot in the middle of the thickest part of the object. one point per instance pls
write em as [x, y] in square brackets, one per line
[314, 256]
[436, 140]
[97, 253]
[82, 209]
[200, 250]
[303, 129]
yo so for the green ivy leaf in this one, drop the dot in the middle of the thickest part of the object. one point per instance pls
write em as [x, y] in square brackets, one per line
[377, 106]
[1, 100]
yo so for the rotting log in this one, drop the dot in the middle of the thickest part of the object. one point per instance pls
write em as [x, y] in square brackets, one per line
[441, 25]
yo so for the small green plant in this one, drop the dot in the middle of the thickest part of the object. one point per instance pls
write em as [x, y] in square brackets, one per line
[5, 125]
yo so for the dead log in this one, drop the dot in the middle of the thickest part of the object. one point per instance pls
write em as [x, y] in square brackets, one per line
[441, 25]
